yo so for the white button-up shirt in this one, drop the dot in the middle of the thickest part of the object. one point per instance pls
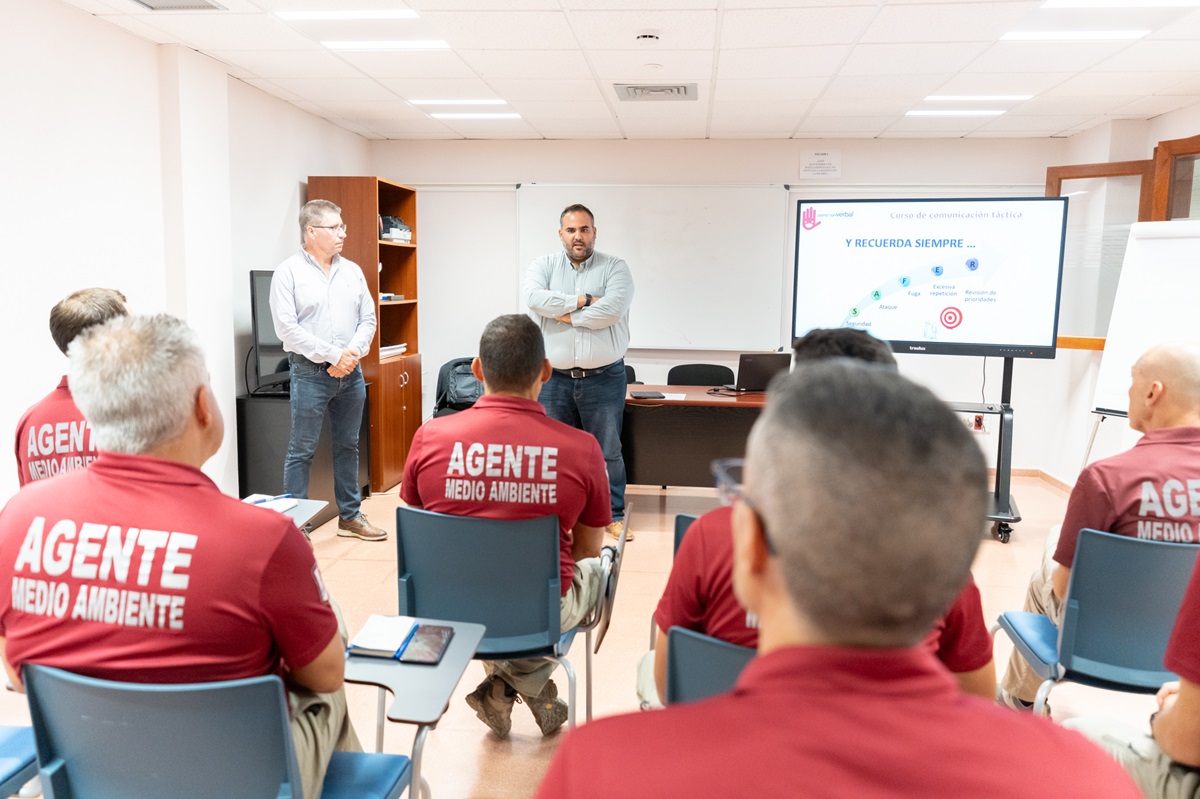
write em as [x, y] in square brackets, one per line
[317, 315]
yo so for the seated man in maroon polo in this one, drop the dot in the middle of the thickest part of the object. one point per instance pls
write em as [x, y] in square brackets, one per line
[1166, 763]
[503, 458]
[860, 514]
[1144, 492]
[139, 569]
[53, 436]
[699, 593]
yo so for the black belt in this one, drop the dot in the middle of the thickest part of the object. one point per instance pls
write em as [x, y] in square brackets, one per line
[577, 373]
[294, 358]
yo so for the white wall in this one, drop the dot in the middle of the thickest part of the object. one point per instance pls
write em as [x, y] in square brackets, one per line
[468, 271]
[151, 171]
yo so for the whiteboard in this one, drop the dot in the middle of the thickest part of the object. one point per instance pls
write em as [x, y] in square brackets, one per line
[1154, 304]
[708, 262]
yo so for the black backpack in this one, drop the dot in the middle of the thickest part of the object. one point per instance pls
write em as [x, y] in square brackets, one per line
[457, 388]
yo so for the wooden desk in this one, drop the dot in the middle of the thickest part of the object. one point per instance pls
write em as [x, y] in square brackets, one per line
[672, 441]
[420, 693]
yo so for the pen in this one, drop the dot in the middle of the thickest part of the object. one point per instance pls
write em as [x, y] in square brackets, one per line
[271, 499]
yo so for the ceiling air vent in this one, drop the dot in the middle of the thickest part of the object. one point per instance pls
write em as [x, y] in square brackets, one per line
[653, 92]
[181, 5]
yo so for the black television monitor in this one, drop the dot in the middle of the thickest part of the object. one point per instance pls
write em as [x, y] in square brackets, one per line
[271, 373]
[977, 276]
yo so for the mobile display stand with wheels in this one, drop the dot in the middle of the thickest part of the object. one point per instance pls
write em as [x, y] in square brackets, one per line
[1002, 508]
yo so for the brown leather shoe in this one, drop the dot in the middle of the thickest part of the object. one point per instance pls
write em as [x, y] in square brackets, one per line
[614, 530]
[359, 527]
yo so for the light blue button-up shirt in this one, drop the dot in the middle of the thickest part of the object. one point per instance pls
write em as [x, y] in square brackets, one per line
[317, 315]
[599, 334]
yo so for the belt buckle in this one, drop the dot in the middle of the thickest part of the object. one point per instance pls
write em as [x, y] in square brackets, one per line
[577, 373]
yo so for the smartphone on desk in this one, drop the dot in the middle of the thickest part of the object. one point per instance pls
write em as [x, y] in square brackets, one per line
[427, 644]
[647, 395]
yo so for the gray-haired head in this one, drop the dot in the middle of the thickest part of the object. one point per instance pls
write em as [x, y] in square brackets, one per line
[314, 212]
[135, 380]
[873, 495]
[82, 309]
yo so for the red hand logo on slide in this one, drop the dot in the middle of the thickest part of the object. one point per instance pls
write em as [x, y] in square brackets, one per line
[809, 219]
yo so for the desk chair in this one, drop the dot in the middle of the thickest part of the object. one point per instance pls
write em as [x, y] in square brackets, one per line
[498, 573]
[699, 374]
[631, 376]
[700, 666]
[682, 522]
[1121, 605]
[99, 739]
[18, 758]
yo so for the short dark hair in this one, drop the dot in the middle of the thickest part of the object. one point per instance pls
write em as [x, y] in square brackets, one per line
[511, 353]
[842, 342]
[576, 208]
[83, 309]
[873, 495]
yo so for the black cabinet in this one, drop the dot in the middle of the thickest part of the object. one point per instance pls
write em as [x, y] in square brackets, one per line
[263, 425]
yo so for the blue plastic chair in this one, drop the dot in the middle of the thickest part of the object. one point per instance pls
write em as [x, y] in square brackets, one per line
[18, 758]
[498, 573]
[1121, 605]
[99, 739]
[700, 666]
[682, 522]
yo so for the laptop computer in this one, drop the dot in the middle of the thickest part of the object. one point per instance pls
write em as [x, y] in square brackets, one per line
[755, 369]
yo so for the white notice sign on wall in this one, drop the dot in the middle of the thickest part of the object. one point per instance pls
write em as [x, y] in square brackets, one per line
[820, 164]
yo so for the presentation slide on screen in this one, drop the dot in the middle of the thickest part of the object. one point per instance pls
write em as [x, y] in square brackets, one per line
[939, 271]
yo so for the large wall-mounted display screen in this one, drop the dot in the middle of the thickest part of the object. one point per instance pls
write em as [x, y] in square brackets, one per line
[945, 276]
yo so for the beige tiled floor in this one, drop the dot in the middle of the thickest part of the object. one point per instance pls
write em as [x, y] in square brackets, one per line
[462, 759]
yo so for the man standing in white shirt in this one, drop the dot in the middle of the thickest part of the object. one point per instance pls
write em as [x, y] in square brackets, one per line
[325, 317]
[581, 300]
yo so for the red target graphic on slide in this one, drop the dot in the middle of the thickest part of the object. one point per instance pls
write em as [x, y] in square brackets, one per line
[951, 318]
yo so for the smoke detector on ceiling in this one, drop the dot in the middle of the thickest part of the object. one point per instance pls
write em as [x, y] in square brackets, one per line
[654, 92]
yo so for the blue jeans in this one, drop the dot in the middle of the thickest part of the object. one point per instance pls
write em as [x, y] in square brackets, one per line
[597, 405]
[314, 393]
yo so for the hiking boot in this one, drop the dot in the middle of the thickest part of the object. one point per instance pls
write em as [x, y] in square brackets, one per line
[359, 527]
[492, 700]
[614, 530]
[549, 711]
[1018, 704]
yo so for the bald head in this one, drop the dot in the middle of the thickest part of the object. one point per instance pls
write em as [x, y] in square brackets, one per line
[1164, 389]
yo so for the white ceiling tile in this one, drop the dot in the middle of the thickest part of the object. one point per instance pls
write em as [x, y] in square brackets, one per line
[1015, 134]
[141, 29]
[635, 5]
[974, 83]
[887, 59]
[639, 66]
[767, 91]
[836, 134]
[1089, 106]
[538, 64]
[930, 134]
[751, 128]
[1186, 26]
[1042, 56]
[791, 4]
[782, 62]
[327, 90]
[275, 90]
[395, 110]
[289, 63]
[1189, 86]
[618, 30]
[325, 5]
[856, 124]
[221, 31]
[664, 129]
[577, 128]
[1149, 56]
[562, 110]
[951, 125]
[441, 89]
[1048, 123]
[393, 127]
[793, 27]
[515, 91]
[425, 6]
[1109, 83]
[503, 30]
[341, 30]
[892, 86]
[413, 64]
[492, 128]
[792, 109]
[946, 22]
[829, 106]
[666, 112]
[1148, 107]
[95, 6]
